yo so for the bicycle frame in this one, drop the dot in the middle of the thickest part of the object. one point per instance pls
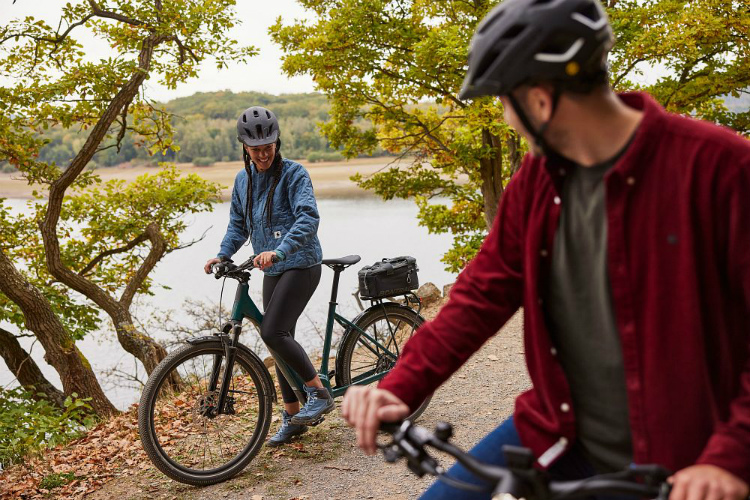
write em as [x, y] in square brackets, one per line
[244, 307]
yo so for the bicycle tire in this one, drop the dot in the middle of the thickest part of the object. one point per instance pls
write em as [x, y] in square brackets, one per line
[168, 413]
[357, 356]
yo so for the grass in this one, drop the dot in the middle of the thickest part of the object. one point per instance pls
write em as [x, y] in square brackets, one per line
[54, 480]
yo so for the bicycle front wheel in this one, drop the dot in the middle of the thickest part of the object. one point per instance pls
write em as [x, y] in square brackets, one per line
[181, 429]
[359, 358]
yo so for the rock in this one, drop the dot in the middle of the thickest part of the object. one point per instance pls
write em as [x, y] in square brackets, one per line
[269, 362]
[447, 289]
[428, 294]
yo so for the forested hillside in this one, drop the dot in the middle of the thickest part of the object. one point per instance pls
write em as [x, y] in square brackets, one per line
[205, 131]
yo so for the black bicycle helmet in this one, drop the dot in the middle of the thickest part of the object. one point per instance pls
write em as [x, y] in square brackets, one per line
[257, 126]
[528, 41]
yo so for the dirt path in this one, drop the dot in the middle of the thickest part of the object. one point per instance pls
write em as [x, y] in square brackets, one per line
[325, 464]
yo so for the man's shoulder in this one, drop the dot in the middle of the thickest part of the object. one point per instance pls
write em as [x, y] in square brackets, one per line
[710, 137]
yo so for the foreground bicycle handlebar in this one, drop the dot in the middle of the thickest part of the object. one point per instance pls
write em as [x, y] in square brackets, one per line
[519, 479]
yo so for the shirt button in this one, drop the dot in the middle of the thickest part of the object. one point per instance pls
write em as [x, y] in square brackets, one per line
[543, 252]
[556, 200]
[630, 181]
[562, 171]
[553, 351]
[565, 407]
[540, 301]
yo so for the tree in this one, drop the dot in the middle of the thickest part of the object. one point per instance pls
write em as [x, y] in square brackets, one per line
[400, 64]
[53, 280]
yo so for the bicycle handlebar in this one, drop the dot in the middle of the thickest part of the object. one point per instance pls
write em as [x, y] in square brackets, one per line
[519, 479]
[228, 269]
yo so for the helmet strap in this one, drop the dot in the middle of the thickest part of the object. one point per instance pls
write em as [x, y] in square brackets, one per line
[538, 135]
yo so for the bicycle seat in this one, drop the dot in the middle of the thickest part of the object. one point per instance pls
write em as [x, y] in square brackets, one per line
[342, 261]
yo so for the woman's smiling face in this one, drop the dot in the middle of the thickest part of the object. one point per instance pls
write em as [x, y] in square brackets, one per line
[262, 156]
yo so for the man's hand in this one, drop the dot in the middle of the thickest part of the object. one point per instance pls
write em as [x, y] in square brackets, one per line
[264, 260]
[707, 482]
[210, 263]
[365, 407]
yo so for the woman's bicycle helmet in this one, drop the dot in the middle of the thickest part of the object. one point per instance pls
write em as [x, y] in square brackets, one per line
[257, 126]
[529, 41]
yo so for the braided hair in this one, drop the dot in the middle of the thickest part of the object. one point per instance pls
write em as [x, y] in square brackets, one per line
[275, 171]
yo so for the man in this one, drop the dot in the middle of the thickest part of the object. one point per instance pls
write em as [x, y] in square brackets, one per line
[625, 236]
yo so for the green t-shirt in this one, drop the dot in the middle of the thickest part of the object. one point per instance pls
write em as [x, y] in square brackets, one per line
[582, 320]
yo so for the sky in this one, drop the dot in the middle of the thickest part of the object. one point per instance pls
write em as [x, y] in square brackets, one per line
[261, 73]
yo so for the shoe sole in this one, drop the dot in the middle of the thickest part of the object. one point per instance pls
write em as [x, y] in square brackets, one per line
[274, 444]
[313, 421]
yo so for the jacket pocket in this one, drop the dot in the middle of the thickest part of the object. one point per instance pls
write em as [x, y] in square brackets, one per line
[277, 234]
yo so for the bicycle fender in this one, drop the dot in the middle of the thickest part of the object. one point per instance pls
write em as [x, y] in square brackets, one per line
[268, 381]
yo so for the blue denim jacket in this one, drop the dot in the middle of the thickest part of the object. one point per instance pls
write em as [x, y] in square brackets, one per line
[294, 218]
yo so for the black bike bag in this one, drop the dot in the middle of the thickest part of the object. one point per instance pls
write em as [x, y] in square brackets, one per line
[388, 277]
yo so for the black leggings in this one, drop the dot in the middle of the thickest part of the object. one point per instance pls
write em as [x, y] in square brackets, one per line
[284, 298]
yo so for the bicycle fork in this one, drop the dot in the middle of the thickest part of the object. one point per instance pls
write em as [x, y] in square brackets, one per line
[225, 403]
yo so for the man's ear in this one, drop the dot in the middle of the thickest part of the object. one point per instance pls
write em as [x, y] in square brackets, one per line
[540, 102]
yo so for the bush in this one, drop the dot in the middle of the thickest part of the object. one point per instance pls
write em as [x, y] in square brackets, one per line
[7, 168]
[203, 161]
[29, 426]
[316, 156]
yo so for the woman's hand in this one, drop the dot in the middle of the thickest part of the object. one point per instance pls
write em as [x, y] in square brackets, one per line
[210, 263]
[264, 260]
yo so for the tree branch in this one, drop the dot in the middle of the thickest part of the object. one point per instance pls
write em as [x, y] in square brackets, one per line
[121, 134]
[25, 369]
[57, 189]
[99, 12]
[132, 244]
[158, 248]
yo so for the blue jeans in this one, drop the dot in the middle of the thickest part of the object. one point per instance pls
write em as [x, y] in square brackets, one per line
[573, 465]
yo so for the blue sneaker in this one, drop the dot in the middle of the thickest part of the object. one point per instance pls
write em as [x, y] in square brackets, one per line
[287, 431]
[319, 402]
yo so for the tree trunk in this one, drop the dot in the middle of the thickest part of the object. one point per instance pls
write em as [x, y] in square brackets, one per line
[144, 348]
[148, 351]
[491, 169]
[26, 370]
[75, 371]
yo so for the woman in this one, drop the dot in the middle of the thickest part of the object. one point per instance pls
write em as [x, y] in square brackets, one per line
[273, 204]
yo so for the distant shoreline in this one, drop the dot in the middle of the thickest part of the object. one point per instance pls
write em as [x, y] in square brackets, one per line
[330, 179]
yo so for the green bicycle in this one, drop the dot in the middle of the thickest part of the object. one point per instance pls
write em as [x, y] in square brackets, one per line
[206, 409]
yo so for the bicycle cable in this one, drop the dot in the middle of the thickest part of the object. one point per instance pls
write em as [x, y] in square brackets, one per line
[221, 297]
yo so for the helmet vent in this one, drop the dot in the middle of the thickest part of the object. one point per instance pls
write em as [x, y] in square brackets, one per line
[541, 2]
[590, 11]
[244, 118]
[255, 113]
[259, 131]
[489, 59]
[513, 32]
[489, 22]
[558, 44]
[268, 115]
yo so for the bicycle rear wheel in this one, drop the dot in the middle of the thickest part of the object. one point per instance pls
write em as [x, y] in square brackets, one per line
[359, 357]
[181, 430]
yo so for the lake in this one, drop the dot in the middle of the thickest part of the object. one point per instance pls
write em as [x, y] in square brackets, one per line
[367, 227]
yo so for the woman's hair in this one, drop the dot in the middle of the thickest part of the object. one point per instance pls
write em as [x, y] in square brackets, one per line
[275, 171]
